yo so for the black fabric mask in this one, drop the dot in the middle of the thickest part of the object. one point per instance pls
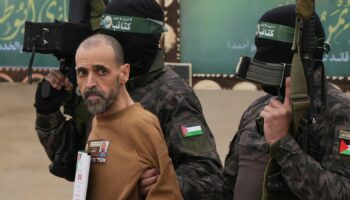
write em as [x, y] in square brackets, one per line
[280, 52]
[139, 49]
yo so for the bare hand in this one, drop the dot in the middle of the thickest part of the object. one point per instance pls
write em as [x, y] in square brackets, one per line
[57, 80]
[277, 117]
[148, 179]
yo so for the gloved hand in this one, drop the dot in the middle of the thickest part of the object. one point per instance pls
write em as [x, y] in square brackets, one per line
[52, 102]
[51, 93]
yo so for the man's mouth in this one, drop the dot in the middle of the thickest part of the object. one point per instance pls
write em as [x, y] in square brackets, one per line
[94, 97]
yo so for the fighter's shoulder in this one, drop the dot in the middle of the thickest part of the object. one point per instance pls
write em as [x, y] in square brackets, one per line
[338, 102]
[172, 82]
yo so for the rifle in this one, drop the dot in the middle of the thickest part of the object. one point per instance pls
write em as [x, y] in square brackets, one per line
[60, 39]
[304, 48]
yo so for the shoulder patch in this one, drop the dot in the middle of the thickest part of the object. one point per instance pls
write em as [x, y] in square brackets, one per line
[344, 143]
[194, 137]
[191, 130]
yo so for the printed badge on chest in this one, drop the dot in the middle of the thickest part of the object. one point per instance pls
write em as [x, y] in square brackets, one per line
[98, 149]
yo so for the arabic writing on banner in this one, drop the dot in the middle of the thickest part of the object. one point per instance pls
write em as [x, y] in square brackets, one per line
[13, 15]
[214, 35]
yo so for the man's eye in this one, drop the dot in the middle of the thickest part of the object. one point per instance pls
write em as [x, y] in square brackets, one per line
[81, 73]
[102, 71]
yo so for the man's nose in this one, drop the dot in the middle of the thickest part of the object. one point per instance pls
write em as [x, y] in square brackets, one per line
[91, 81]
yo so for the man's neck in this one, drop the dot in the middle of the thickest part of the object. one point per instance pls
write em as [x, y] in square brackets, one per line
[122, 101]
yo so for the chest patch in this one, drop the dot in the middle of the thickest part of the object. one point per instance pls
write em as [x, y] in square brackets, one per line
[98, 149]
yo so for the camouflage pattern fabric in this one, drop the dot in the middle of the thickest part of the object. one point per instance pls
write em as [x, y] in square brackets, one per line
[96, 9]
[195, 159]
[328, 177]
[61, 142]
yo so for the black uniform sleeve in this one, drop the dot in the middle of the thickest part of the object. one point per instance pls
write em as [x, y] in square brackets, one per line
[195, 159]
[230, 170]
[61, 142]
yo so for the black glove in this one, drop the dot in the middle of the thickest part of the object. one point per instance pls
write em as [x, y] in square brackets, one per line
[47, 98]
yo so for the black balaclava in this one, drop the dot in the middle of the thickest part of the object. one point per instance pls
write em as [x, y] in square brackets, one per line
[273, 51]
[139, 49]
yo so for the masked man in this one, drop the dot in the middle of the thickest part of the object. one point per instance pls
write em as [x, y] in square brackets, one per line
[319, 171]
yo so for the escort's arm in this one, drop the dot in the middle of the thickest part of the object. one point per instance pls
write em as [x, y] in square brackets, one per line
[61, 138]
[329, 178]
[230, 170]
[195, 158]
[61, 142]
[246, 126]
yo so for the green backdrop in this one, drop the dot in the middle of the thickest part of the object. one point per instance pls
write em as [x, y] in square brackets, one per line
[214, 34]
[13, 14]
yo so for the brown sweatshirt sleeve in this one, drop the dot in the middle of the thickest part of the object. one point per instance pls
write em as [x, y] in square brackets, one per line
[154, 151]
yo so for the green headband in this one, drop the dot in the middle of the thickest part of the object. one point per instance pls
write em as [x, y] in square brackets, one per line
[275, 32]
[131, 24]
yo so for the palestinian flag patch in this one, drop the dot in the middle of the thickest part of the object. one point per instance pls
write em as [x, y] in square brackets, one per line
[344, 147]
[190, 131]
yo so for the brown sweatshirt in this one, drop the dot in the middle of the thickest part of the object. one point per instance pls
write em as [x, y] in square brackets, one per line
[131, 142]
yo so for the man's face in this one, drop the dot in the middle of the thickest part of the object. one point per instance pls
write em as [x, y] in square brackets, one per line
[97, 77]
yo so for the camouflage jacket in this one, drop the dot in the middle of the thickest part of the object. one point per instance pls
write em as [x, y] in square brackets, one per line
[168, 96]
[325, 177]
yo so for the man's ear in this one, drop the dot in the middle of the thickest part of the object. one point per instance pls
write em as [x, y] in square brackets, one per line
[124, 73]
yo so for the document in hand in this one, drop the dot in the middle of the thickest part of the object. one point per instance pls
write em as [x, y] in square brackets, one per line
[81, 176]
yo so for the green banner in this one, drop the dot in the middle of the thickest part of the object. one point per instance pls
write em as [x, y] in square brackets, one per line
[215, 34]
[13, 14]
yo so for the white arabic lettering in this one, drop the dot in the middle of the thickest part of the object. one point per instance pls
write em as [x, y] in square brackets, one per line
[241, 46]
[265, 30]
[342, 57]
[10, 46]
[122, 26]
